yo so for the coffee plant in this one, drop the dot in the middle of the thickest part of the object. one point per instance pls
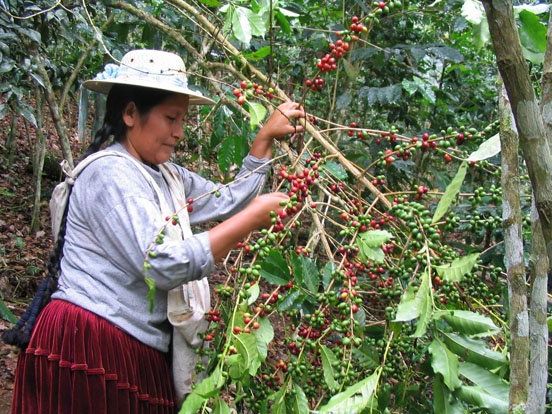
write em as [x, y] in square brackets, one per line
[362, 296]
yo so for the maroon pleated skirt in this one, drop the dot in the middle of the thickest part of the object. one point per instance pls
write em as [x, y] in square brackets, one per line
[79, 363]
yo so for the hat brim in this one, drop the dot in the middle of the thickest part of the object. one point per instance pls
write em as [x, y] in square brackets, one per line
[103, 86]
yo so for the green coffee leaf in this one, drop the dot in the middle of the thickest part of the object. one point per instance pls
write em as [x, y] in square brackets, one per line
[305, 272]
[480, 398]
[334, 169]
[221, 407]
[468, 323]
[279, 404]
[299, 402]
[253, 293]
[491, 383]
[442, 399]
[150, 296]
[292, 300]
[258, 54]
[283, 22]
[7, 314]
[241, 28]
[246, 344]
[206, 389]
[328, 362]
[475, 351]
[375, 238]
[355, 398]
[231, 151]
[458, 268]
[532, 35]
[450, 193]
[274, 268]
[327, 272]
[369, 244]
[210, 3]
[264, 335]
[445, 363]
[532, 32]
[416, 304]
[257, 112]
[487, 149]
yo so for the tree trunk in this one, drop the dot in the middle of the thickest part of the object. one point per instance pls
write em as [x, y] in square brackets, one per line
[538, 368]
[38, 162]
[546, 98]
[82, 60]
[532, 135]
[54, 111]
[513, 258]
[10, 140]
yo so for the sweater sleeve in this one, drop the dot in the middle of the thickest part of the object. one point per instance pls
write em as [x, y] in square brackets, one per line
[232, 198]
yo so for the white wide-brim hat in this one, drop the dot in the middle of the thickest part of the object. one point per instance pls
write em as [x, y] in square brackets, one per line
[151, 69]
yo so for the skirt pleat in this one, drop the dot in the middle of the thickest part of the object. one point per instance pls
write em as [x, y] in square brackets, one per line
[78, 363]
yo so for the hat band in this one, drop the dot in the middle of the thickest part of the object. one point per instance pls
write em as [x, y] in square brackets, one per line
[167, 77]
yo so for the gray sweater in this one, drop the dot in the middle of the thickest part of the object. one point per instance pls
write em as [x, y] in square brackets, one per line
[113, 217]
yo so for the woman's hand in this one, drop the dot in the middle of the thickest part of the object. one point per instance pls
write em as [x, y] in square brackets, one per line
[281, 122]
[262, 205]
[225, 235]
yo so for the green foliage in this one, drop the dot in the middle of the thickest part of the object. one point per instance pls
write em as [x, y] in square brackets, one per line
[445, 363]
[355, 398]
[458, 268]
[442, 399]
[467, 322]
[202, 392]
[274, 269]
[257, 112]
[6, 314]
[533, 36]
[450, 193]
[474, 351]
[370, 244]
[232, 151]
[481, 398]
[328, 362]
[491, 383]
[417, 304]
[487, 149]
[305, 272]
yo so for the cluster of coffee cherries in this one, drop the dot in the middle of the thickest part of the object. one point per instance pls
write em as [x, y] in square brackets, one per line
[356, 26]
[421, 191]
[247, 89]
[300, 184]
[426, 144]
[337, 50]
[362, 135]
[379, 181]
[316, 84]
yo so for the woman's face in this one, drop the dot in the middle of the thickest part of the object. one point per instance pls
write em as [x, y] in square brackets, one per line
[152, 137]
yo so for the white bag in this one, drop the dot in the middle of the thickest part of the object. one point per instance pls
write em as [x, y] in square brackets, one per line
[186, 304]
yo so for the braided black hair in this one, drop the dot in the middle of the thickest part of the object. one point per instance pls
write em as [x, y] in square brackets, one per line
[117, 100]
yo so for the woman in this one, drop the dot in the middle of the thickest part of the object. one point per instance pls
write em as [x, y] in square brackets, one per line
[95, 348]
